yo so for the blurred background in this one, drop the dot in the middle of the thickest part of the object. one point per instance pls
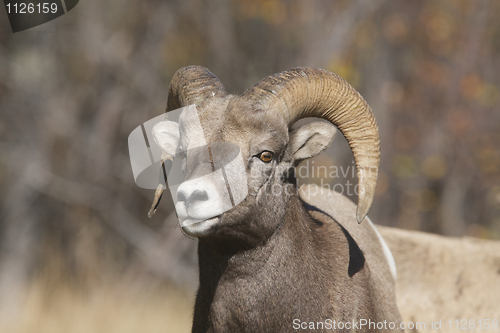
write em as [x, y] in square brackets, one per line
[77, 251]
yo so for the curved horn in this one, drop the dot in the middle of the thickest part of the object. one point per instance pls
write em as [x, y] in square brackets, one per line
[313, 92]
[192, 85]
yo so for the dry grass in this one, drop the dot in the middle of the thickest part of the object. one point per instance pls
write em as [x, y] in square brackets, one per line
[107, 309]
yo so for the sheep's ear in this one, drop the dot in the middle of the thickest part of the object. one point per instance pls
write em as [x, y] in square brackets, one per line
[309, 140]
[166, 135]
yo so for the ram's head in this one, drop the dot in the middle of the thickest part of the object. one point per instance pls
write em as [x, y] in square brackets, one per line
[237, 152]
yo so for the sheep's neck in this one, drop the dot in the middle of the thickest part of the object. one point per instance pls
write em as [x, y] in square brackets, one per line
[266, 288]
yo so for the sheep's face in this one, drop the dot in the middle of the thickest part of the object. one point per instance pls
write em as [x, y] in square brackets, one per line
[234, 163]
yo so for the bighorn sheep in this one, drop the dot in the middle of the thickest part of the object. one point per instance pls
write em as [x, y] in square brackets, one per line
[281, 259]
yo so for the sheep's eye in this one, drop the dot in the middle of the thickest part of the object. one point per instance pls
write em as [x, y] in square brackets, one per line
[266, 156]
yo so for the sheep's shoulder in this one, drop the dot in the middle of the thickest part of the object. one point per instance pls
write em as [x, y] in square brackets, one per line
[328, 206]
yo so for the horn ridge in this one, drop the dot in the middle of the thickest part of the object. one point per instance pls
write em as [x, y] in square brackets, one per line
[192, 85]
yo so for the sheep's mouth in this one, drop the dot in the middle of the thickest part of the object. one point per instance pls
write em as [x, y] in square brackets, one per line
[199, 228]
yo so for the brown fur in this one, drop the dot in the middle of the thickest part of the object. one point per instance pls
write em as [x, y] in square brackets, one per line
[445, 278]
[310, 268]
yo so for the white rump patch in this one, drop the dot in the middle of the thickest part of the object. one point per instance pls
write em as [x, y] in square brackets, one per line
[387, 252]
